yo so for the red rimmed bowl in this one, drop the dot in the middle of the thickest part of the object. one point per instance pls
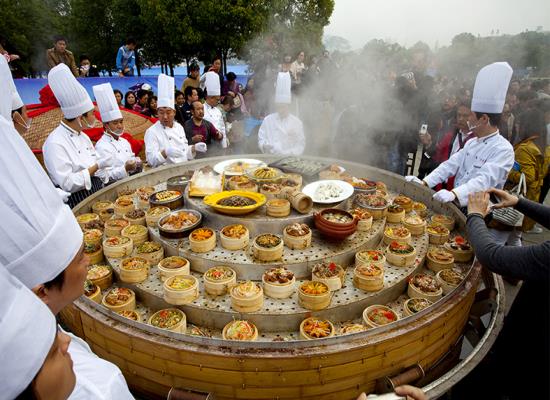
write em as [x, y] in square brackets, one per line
[335, 224]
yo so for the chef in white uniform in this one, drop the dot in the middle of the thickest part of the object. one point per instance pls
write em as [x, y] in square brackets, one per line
[485, 160]
[165, 141]
[211, 111]
[28, 366]
[281, 132]
[69, 155]
[42, 246]
[111, 145]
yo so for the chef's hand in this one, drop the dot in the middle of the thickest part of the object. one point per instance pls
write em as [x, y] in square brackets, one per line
[197, 139]
[412, 393]
[444, 196]
[201, 147]
[105, 162]
[478, 203]
[414, 179]
[174, 152]
[63, 194]
[425, 139]
[130, 165]
[506, 199]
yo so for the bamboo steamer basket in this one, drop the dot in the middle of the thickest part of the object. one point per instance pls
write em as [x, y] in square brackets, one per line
[102, 205]
[305, 336]
[202, 246]
[219, 287]
[296, 242]
[107, 214]
[126, 191]
[181, 296]
[372, 324]
[152, 219]
[364, 224]
[235, 180]
[445, 220]
[117, 250]
[299, 201]
[297, 178]
[402, 240]
[232, 243]
[401, 260]
[93, 236]
[447, 287]
[142, 195]
[278, 208]
[96, 296]
[129, 275]
[165, 272]
[114, 227]
[226, 328]
[136, 221]
[105, 280]
[129, 305]
[247, 187]
[438, 238]
[279, 290]
[96, 257]
[135, 315]
[334, 283]
[369, 283]
[361, 258]
[405, 202]
[420, 209]
[270, 194]
[138, 233]
[436, 265]
[153, 257]
[246, 304]
[415, 229]
[395, 217]
[314, 302]
[267, 254]
[413, 291]
[461, 256]
[180, 327]
[124, 204]
[82, 219]
[406, 311]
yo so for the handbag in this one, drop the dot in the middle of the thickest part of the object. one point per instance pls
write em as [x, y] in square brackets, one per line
[510, 216]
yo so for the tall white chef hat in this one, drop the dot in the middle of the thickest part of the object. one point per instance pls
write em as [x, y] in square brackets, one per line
[6, 82]
[166, 97]
[282, 89]
[70, 94]
[212, 83]
[16, 102]
[39, 234]
[490, 88]
[106, 102]
[28, 332]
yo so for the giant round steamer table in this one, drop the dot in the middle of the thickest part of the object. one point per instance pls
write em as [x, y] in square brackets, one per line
[422, 349]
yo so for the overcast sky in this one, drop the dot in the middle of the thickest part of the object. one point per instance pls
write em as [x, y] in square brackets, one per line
[408, 21]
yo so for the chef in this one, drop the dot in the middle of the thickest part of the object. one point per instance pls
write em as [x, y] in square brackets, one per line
[69, 155]
[485, 160]
[111, 145]
[42, 246]
[281, 132]
[34, 363]
[211, 111]
[165, 141]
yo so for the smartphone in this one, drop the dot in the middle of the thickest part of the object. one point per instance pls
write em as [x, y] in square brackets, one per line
[423, 129]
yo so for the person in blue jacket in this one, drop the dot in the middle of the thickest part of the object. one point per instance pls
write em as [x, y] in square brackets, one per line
[126, 58]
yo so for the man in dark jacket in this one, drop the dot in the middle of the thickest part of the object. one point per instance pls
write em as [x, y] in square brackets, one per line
[60, 55]
[197, 129]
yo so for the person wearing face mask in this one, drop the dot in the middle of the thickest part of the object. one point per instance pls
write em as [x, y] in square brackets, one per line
[34, 363]
[43, 248]
[165, 141]
[111, 145]
[21, 120]
[484, 161]
[69, 155]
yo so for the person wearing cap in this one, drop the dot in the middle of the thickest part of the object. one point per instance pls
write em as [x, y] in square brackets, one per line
[212, 113]
[69, 155]
[282, 133]
[43, 248]
[34, 363]
[485, 161]
[165, 141]
[111, 145]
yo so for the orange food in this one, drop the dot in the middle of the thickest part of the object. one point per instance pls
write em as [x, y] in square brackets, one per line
[202, 234]
[180, 220]
[314, 288]
[234, 231]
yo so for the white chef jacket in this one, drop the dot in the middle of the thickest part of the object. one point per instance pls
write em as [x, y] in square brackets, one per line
[67, 155]
[96, 378]
[279, 135]
[159, 138]
[482, 163]
[119, 149]
[215, 117]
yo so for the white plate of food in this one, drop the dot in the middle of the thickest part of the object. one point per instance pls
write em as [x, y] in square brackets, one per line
[237, 166]
[328, 191]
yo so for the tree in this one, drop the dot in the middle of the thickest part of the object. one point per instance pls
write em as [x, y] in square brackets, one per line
[336, 43]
